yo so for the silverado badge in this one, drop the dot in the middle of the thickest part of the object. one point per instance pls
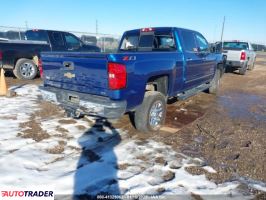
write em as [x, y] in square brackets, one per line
[69, 75]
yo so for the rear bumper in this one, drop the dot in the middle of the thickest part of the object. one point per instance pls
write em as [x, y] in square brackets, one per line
[81, 103]
[236, 64]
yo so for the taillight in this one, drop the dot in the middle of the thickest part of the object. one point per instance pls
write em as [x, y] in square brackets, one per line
[117, 76]
[40, 67]
[243, 56]
[1, 55]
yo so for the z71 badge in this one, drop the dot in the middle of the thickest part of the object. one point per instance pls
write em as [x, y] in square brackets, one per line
[126, 58]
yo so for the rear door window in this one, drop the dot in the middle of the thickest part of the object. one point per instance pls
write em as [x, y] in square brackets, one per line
[189, 41]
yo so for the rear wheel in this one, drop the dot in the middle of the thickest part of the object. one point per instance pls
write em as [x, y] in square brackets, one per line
[213, 89]
[25, 69]
[150, 115]
[252, 66]
[243, 70]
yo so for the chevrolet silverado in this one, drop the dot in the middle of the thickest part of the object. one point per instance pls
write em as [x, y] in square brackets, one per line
[151, 66]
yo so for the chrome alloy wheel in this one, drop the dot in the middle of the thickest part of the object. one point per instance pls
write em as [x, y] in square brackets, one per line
[27, 70]
[156, 115]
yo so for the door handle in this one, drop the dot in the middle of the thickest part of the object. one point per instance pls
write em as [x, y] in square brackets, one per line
[189, 59]
[203, 58]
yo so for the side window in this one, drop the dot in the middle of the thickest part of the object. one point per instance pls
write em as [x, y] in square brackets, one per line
[189, 41]
[71, 41]
[57, 39]
[202, 43]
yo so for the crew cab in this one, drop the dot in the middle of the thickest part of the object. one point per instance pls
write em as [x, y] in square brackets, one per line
[151, 65]
[21, 56]
[239, 55]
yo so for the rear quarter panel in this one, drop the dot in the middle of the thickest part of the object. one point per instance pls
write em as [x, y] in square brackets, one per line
[141, 67]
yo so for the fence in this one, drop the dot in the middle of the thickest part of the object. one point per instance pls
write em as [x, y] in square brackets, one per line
[107, 42]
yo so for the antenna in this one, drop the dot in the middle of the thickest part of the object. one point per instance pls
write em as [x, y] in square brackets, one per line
[96, 27]
[222, 34]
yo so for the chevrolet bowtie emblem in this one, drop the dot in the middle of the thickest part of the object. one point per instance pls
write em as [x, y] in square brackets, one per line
[69, 75]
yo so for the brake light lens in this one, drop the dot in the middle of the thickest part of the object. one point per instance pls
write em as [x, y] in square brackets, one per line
[40, 67]
[243, 56]
[147, 29]
[1, 55]
[117, 76]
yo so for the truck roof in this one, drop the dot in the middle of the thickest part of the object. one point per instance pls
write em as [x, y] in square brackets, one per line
[166, 29]
[45, 30]
[233, 41]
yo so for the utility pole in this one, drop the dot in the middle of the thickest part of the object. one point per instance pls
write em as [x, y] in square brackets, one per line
[222, 34]
[26, 24]
[96, 27]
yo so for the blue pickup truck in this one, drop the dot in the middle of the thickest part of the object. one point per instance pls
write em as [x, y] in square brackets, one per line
[151, 66]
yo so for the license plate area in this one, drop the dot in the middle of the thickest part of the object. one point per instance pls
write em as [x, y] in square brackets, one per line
[73, 99]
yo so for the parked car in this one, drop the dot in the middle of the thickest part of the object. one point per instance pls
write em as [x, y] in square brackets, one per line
[22, 56]
[239, 55]
[151, 65]
[88, 39]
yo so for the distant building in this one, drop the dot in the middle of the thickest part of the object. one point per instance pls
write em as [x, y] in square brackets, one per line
[259, 47]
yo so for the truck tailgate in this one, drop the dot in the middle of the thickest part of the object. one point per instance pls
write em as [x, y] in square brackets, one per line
[232, 55]
[82, 72]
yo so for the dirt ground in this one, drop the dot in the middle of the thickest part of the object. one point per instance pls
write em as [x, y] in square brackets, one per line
[227, 131]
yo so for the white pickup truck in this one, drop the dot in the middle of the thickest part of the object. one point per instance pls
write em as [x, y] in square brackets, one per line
[239, 55]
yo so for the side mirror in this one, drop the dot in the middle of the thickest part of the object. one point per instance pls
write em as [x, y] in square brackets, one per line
[212, 49]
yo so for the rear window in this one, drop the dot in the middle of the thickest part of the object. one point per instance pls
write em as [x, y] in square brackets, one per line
[36, 36]
[235, 45]
[148, 42]
[130, 43]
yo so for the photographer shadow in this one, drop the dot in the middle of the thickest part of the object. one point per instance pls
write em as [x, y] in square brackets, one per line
[96, 172]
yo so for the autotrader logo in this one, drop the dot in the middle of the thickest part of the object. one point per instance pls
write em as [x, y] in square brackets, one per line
[27, 194]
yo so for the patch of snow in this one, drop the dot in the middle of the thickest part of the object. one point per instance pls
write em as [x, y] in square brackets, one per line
[209, 169]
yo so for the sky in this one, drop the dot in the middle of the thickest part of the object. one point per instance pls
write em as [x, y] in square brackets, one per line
[244, 19]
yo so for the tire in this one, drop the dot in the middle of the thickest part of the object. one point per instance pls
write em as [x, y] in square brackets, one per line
[154, 103]
[252, 66]
[243, 70]
[213, 89]
[221, 67]
[25, 69]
